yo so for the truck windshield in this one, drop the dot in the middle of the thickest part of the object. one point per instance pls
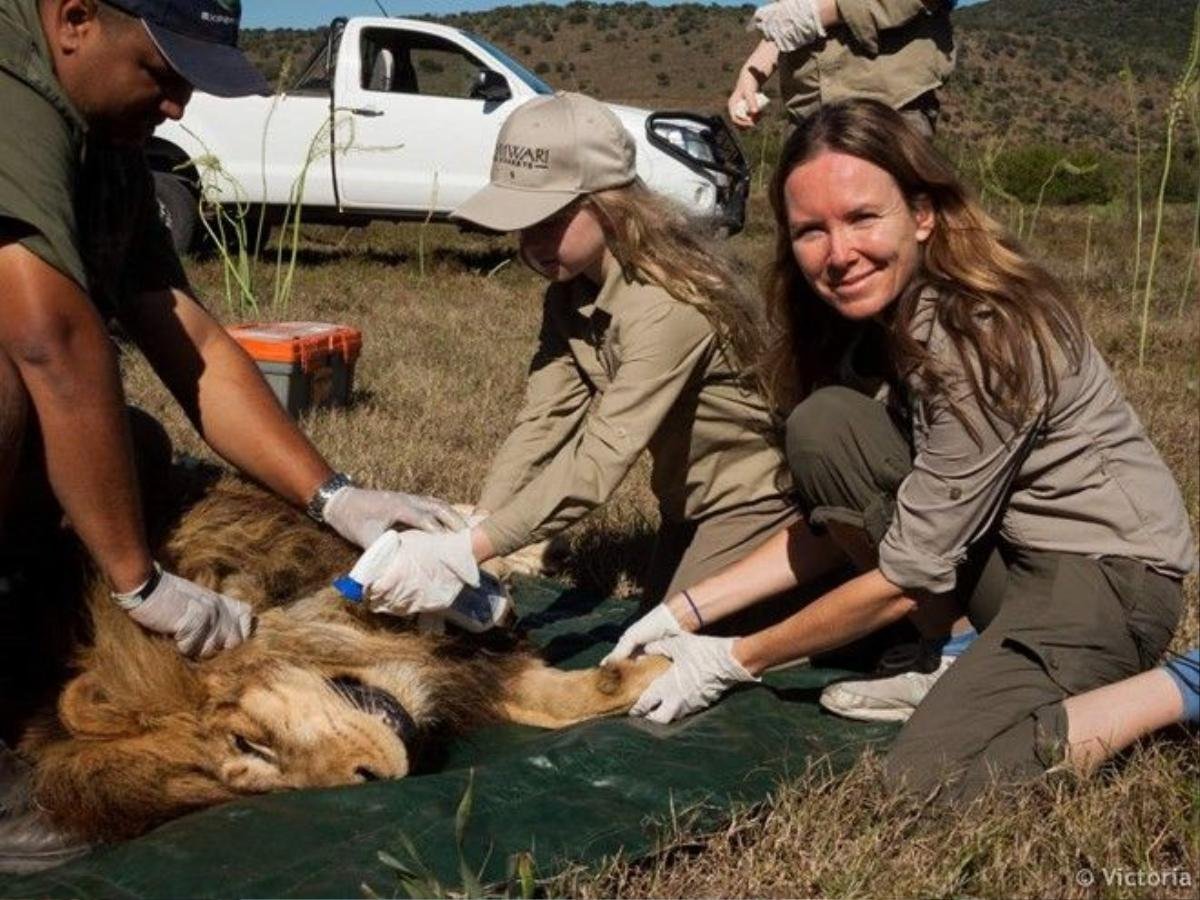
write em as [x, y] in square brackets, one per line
[536, 84]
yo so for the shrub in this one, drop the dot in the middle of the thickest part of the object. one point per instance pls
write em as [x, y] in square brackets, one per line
[1022, 170]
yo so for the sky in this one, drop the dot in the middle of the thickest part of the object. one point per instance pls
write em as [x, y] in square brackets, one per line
[309, 13]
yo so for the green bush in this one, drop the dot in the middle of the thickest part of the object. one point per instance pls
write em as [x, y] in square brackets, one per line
[1022, 170]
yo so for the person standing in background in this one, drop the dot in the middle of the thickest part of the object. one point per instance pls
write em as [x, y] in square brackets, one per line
[898, 52]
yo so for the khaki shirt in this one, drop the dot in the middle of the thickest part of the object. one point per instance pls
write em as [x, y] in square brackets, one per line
[888, 50]
[1081, 477]
[85, 207]
[616, 372]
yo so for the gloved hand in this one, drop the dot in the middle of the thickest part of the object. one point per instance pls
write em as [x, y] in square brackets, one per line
[703, 669]
[655, 625]
[201, 621]
[414, 572]
[789, 24]
[361, 515]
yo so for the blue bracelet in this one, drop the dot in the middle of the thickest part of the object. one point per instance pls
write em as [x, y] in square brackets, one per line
[695, 610]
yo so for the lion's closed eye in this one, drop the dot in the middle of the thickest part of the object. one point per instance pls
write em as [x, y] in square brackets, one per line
[244, 745]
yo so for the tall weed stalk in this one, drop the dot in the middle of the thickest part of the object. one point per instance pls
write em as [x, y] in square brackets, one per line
[1087, 244]
[1061, 165]
[324, 142]
[1192, 262]
[1130, 90]
[227, 222]
[1179, 97]
[433, 198]
[991, 182]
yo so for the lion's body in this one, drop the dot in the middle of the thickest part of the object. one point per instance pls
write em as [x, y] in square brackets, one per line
[324, 694]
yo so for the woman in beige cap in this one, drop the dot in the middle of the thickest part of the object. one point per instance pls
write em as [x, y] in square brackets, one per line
[643, 326]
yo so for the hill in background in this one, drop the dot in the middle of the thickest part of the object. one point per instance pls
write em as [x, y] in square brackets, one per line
[1044, 72]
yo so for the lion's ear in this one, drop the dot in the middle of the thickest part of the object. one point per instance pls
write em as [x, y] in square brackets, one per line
[87, 710]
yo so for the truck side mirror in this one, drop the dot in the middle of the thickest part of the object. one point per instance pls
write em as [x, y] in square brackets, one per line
[490, 86]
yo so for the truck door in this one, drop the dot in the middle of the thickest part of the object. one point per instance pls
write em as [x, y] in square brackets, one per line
[411, 136]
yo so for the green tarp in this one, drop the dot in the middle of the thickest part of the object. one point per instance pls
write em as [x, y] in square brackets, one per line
[571, 796]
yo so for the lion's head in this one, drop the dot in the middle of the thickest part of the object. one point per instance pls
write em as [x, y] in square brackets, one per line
[315, 700]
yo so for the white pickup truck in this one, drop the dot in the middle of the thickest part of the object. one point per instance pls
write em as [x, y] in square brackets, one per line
[397, 119]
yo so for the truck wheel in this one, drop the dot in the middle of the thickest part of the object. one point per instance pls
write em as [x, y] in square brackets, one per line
[177, 209]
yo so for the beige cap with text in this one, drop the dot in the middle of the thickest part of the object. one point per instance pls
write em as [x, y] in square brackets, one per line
[550, 151]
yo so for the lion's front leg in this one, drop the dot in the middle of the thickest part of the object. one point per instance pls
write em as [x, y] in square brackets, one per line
[553, 698]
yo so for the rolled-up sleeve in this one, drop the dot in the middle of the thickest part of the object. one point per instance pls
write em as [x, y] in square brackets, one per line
[661, 352]
[956, 490]
[867, 18]
[556, 400]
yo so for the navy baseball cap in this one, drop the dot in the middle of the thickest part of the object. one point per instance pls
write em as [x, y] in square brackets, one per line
[199, 38]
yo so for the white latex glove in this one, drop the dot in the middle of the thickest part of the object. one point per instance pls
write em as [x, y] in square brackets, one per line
[790, 24]
[655, 625]
[361, 515]
[201, 621]
[703, 669]
[415, 572]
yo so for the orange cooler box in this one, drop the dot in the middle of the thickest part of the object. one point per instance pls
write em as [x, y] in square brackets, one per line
[307, 364]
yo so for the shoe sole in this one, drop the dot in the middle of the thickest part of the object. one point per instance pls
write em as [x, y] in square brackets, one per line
[866, 714]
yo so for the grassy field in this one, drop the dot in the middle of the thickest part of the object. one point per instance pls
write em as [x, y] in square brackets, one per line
[439, 381]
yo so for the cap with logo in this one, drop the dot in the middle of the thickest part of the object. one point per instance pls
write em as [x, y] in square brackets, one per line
[550, 151]
[199, 38]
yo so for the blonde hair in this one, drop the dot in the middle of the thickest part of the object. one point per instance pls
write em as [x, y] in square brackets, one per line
[655, 242]
[998, 307]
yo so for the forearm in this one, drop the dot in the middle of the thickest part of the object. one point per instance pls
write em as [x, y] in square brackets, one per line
[239, 417]
[790, 558]
[74, 385]
[857, 608]
[762, 62]
[828, 13]
[223, 394]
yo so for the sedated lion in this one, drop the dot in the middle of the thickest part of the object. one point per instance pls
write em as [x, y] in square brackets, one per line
[324, 694]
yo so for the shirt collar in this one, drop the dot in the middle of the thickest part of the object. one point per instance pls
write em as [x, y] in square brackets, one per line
[613, 282]
[25, 55]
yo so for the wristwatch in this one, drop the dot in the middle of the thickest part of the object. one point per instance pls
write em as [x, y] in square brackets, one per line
[140, 595]
[329, 487]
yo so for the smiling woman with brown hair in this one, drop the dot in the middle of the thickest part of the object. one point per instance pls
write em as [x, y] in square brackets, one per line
[1001, 438]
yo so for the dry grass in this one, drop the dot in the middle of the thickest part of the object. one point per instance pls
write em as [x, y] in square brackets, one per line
[822, 836]
[441, 376]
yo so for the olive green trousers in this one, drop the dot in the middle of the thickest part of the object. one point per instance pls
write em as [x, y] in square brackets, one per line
[1052, 625]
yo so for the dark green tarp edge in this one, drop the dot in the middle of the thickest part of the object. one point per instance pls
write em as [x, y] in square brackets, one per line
[575, 796]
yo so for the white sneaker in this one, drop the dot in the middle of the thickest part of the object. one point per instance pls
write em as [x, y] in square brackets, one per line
[882, 699]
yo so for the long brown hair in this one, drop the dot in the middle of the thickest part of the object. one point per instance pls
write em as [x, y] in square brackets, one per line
[656, 242]
[1000, 309]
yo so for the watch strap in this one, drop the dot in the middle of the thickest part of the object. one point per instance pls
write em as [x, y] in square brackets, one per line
[134, 599]
[329, 487]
